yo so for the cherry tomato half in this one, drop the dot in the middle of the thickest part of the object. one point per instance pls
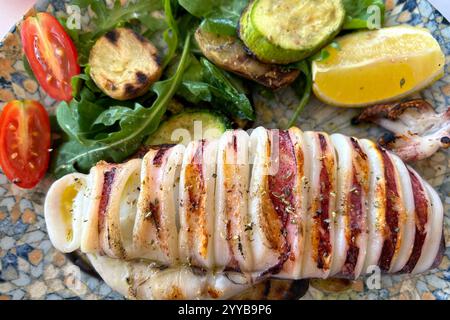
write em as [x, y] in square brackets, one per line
[24, 142]
[51, 54]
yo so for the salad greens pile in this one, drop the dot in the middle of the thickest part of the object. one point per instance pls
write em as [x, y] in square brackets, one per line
[96, 127]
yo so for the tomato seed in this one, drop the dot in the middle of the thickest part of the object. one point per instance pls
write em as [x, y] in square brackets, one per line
[12, 127]
[59, 51]
[14, 155]
[31, 165]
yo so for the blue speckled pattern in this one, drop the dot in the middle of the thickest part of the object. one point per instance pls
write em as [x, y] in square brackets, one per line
[30, 268]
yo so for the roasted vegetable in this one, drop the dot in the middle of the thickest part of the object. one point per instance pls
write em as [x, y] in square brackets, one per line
[196, 124]
[229, 53]
[288, 31]
[124, 64]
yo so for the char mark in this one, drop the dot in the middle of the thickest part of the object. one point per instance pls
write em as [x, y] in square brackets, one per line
[392, 214]
[421, 217]
[157, 160]
[112, 36]
[141, 78]
[108, 180]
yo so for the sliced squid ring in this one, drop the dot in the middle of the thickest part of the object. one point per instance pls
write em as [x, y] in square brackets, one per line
[155, 233]
[117, 208]
[406, 225]
[64, 206]
[232, 224]
[434, 230]
[319, 241]
[197, 201]
[351, 214]
[267, 237]
[295, 181]
[376, 220]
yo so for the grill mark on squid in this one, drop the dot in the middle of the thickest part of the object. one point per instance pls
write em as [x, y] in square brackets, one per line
[162, 150]
[321, 217]
[281, 186]
[195, 212]
[108, 180]
[355, 210]
[392, 215]
[231, 210]
[355, 216]
[421, 217]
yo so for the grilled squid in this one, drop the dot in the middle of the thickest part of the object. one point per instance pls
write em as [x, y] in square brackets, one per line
[417, 131]
[214, 218]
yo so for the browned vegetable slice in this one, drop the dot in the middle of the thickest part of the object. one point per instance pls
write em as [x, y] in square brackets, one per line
[229, 53]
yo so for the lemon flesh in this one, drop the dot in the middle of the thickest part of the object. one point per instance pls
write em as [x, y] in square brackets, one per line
[370, 67]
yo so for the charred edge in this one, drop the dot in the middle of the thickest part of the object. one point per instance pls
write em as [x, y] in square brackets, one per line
[154, 214]
[141, 78]
[440, 253]
[162, 150]
[392, 223]
[131, 90]
[112, 36]
[355, 215]
[445, 141]
[357, 148]
[234, 142]
[421, 212]
[281, 187]
[322, 216]
[108, 180]
[196, 185]
[139, 37]
[233, 264]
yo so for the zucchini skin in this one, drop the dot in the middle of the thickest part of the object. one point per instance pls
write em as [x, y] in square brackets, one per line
[184, 120]
[264, 50]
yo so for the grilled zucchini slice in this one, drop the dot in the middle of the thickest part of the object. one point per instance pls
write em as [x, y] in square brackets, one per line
[286, 31]
[194, 125]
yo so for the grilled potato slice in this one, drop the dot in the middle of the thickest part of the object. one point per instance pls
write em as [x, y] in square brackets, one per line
[124, 64]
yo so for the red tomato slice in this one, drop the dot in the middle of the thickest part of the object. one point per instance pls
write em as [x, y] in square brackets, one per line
[51, 54]
[24, 142]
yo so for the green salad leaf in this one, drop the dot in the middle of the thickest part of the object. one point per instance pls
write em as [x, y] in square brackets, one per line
[86, 147]
[170, 34]
[205, 82]
[359, 15]
[219, 16]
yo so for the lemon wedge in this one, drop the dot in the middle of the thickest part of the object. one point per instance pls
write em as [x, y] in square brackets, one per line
[370, 67]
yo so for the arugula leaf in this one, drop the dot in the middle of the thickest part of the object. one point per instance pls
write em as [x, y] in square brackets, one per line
[109, 18]
[76, 118]
[170, 35]
[358, 14]
[305, 87]
[226, 94]
[82, 153]
[112, 115]
[219, 16]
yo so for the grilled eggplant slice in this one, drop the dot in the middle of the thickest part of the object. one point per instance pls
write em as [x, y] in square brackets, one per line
[229, 53]
[124, 64]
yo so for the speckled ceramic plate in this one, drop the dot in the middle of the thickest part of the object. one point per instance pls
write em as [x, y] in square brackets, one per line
[31, 268]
